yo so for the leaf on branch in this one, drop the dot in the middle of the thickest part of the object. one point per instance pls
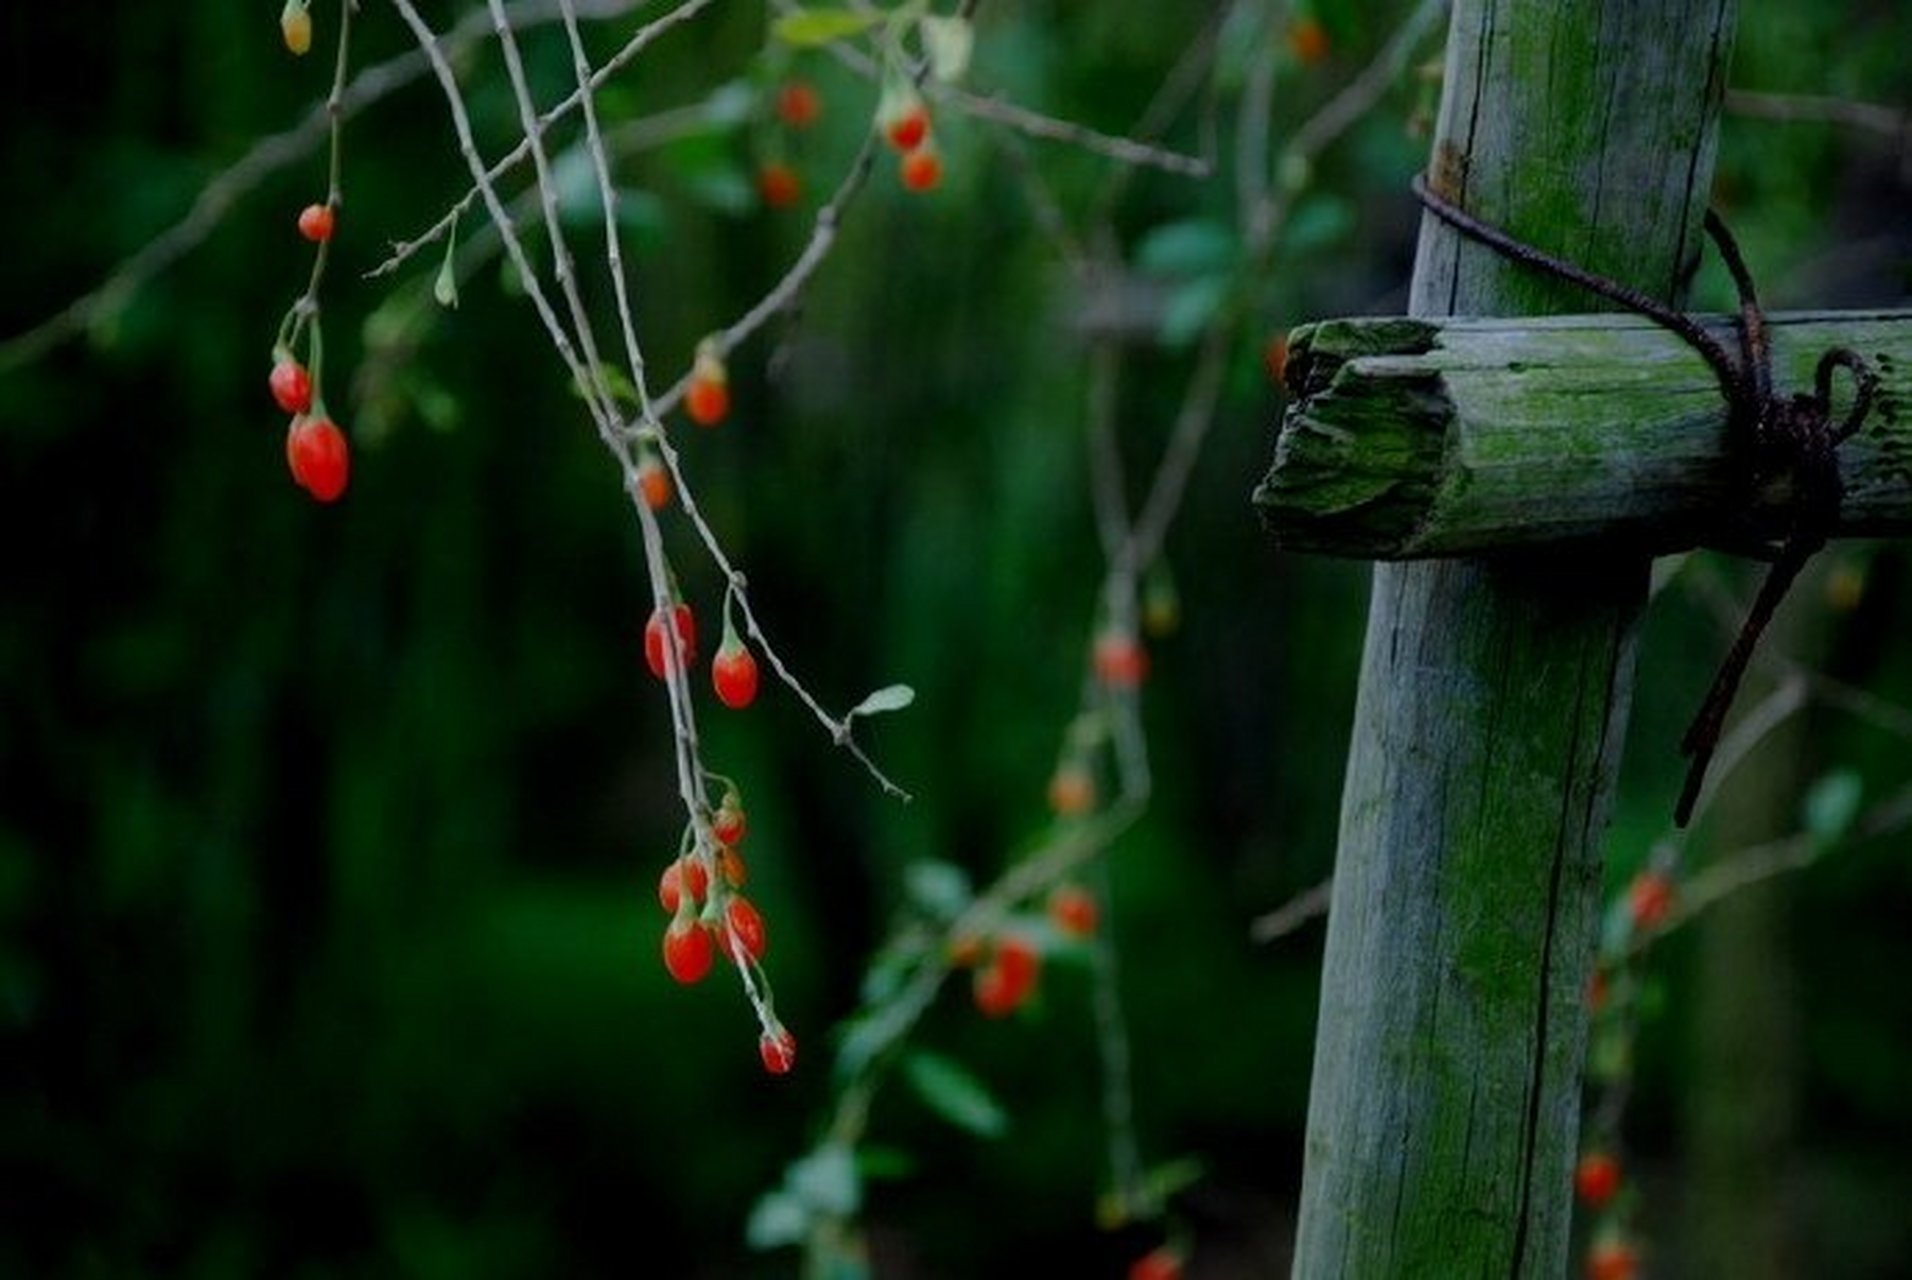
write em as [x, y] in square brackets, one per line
[1192, 246]
[952, 1092]
[808, 28]
[445, 285]
[891, 697]
[940, 888]
[1831, 805]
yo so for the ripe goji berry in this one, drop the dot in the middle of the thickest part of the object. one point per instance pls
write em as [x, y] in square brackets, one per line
[779, 185]
[906, 121]
[922, 169]
[1164, 1263]
[683, 873]
[1613, 1260]
[291, 385]
[798, 104]
[1308, 41]
[707, 398]
[727, 824]
[733, 672]
[653, 482]
[687, 949]
[1120, 660]
[1596, 1178]
[1006, 980]
[657, 652]
[320, 459]
[316, 222]
[742, 921]
[1650, 899]
[1073, 910]
[730, 865]
[778, 1049]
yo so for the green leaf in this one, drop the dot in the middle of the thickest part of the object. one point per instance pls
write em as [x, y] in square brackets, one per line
[826, 1180]
[956, 1095]
[1191, 307]
[778, 1218]
[940, 888]
[1318, 222]
[892, 697]
[445, 285]
[1193, 246]
[1831, 805]
[808, 28]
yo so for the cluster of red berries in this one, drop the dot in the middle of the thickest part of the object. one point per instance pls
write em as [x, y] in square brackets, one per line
[904, 118]
[671, 635]
[1006, 966]
[315, 448]
[798, 106]
[701, 892]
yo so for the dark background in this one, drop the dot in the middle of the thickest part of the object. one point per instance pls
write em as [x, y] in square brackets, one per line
[328, 836]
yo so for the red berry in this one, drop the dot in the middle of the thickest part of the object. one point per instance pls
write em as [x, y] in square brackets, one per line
[1274, 357]
[1120, 660]
[1308, 41]
[687, 949]
[734, 673]
[1596, 1178]
[730, 865]
[1597, 991]
[321, 462]
[922, 169]
[727, 824]
[1613, 1260]
[657, 645]
[1001, 985]
[1164, 1263]
[1073, 910]
[707, 401]
[291, 386]
[779, 1051]
[798, 105]
[779, 185]
[685, 872]
[315, 222]
[654, 483]
[743, 921]
[908, 123]
[1649, 899]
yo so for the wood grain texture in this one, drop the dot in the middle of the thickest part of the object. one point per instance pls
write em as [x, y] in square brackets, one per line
[1446, 1092]
[1410, 439]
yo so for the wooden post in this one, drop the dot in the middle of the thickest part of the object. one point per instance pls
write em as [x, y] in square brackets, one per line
[1447, 1076]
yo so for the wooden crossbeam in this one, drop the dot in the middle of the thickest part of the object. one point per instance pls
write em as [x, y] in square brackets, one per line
[1409, 439]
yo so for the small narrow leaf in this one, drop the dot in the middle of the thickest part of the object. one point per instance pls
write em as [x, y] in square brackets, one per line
[892, 697]
[1191, 307]
[954, 1094]
[827, 1181]
[777, 1219]
[807, 28]
[941, 888]
[1191, 246]
[445, 286]
[1831, 804]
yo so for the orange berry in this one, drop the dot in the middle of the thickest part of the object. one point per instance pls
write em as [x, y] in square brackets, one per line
[707, 398]
[1613, 1260]
[1650, 899]
[1074, 910]
[1120, 660]
[922, 169]
[798, 104]
[779, 185]
[730, 865]
[295, 26]
[653, 483]
[906, 124]
[1308, 41]
[316, 222]
[1596, 1178]
[1006, 981]
[684, 873]
[1274, 357]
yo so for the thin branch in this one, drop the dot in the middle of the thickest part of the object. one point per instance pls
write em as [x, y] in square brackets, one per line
[1310, 904]
[1872, 117]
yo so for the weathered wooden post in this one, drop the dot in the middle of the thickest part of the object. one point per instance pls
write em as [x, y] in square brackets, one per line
[1494, 693]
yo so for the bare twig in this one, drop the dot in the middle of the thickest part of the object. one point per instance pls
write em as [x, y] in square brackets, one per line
[1310, 904]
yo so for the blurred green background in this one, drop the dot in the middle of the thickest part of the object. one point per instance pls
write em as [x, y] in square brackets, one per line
[328, 836]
